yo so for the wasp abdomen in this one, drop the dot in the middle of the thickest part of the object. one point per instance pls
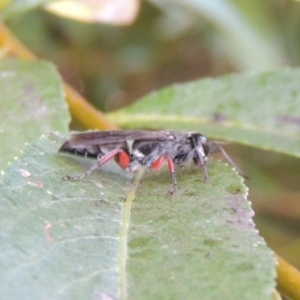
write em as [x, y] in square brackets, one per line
[93, 151]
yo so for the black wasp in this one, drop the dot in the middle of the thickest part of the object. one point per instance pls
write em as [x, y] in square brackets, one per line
[132, 149]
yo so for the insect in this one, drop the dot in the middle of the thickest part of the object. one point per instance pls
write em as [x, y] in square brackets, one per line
[132, 149]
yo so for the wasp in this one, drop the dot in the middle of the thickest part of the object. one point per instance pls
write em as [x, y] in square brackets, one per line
[133, 149]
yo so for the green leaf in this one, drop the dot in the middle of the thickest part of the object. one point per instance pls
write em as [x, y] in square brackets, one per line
[17, 7]
[200, 244]
[59, 240]
[260, 110]
[32, 103]
[80, 240]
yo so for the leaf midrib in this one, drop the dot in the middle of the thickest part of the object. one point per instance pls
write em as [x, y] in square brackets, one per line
[125, 222]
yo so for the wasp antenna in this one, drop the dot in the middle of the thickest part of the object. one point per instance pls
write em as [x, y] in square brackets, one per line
[218, 148]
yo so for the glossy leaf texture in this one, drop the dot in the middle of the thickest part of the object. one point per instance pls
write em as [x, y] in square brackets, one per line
[256, 109]
[108, 237]
[32, 103]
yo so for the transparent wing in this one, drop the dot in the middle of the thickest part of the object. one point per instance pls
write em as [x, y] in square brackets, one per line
[114, 137]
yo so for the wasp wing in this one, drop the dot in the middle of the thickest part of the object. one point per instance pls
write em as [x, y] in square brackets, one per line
[115, 137]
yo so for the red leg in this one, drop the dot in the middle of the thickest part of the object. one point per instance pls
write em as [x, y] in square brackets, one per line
[122, 159]
[157, 165]
[172, 173]
[104, 159]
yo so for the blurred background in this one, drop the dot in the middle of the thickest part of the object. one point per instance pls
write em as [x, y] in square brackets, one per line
[127, 48]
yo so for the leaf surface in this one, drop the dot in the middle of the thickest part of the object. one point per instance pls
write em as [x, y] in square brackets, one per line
[59, 239]
[199, 244]
[80, 240]
[260, 110]
[32, 103]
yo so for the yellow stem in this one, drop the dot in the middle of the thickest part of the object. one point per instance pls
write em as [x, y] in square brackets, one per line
[288, 279]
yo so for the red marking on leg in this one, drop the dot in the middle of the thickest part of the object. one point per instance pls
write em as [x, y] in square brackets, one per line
[170, 164]
[122, 159]
[157, 165]
[108, 156]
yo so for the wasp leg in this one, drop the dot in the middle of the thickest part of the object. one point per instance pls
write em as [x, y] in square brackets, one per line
[157, 165]
[101, 161]
[173, 176]
[201, 162]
